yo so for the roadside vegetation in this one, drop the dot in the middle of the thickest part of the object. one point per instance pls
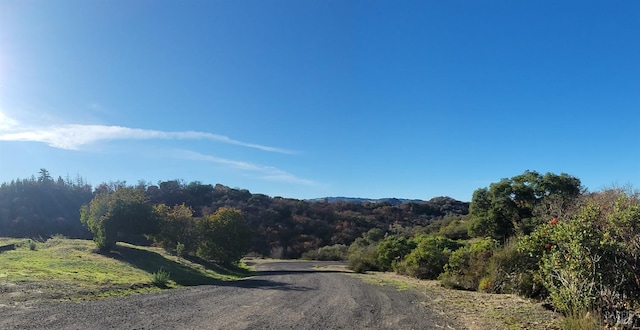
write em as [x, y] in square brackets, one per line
[474, 309]
[536, 236]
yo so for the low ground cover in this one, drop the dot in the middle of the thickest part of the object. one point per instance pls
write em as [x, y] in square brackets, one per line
[61, 269]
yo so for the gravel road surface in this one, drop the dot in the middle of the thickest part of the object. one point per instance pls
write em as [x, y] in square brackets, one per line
[283, 295]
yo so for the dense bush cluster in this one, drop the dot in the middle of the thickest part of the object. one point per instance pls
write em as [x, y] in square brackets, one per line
[591, 261]
[123, 212]
[540, 236]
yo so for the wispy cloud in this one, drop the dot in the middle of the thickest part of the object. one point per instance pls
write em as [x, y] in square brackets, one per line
[7, 123]
[265, 172]
[73, 137]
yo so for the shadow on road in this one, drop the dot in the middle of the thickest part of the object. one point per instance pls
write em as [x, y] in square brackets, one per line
[256, 283]
[296, 272]
[151, 262]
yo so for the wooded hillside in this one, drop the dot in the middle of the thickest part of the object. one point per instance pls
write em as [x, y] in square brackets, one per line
[41, 207]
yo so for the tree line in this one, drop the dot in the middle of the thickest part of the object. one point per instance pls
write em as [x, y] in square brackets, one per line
[280, 227]
[43, 206]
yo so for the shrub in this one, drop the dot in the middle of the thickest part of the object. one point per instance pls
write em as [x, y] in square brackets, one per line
[590, 262]
[58, 237]
[362, 258]
[363, 254]
[32, 245]
[392, 250]
[277, 252]
[468, 265]
[486, 284]
[180, 250]
[327, 253]
[512, 271]
[160, 278]
[428, 259]
[456, 229]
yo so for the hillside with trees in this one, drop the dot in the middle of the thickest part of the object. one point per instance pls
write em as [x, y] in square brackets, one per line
[541, 236]
[168, 212]
[39, 207]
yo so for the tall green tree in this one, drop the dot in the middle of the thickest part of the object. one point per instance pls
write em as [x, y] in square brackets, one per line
[515, 206]
[224, 236]
[116, 214]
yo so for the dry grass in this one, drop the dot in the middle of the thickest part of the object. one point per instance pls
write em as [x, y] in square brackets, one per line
[476, 310]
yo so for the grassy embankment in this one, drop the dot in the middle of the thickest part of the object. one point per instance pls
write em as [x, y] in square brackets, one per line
[475, 310]
[61, 269]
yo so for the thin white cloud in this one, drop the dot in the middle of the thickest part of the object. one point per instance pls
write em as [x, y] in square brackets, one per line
[7, 123]
[290, 178]
[73, 137]
[266, 172]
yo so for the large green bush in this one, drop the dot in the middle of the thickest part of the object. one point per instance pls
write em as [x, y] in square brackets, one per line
[363, 254]
[428, 259]
[456, 229]
[392, 250]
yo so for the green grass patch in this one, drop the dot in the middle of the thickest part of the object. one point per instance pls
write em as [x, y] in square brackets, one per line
[70, 268]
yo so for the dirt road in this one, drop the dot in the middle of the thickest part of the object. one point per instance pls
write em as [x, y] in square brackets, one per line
[283, 295]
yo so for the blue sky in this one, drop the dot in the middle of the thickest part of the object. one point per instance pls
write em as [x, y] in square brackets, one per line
[305, 99]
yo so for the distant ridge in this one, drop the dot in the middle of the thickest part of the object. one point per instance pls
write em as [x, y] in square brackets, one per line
[392, 201]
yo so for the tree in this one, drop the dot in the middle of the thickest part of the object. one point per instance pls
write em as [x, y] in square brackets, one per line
[224, 236]
[176, 225]
[44, 176]
[517, 205]
[116, 214]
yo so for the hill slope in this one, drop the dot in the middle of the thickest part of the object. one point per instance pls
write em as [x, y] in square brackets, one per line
[71, 269]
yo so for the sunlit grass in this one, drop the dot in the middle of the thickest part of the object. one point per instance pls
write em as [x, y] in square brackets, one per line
[67, 260]
[70, 268]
